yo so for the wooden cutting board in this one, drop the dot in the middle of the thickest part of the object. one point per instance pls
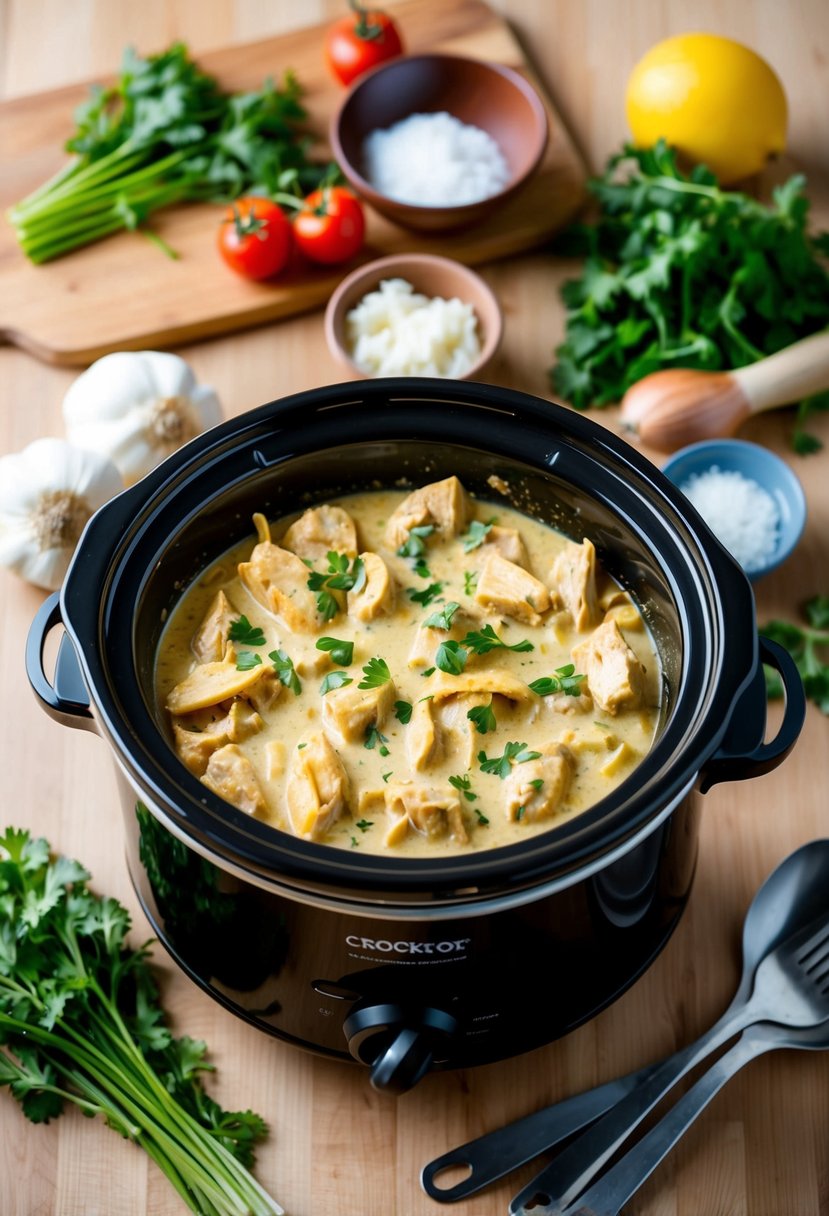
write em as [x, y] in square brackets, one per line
[122, 293]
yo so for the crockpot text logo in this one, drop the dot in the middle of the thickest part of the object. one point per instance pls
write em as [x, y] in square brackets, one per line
[383, 946]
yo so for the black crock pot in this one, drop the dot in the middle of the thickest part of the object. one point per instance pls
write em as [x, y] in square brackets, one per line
[409, 964]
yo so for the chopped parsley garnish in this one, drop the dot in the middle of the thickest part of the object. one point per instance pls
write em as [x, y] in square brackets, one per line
[341, 652]
[537, 784]
[415, 546]
[482, 819]
[425, 596]
[364, 824]
[565, 680]
[519, 814]
[334, 679]
[428, 671]
[376, 672]
[442, 619]
[501, 766]
[355, 844]
[487, 639]
[284, 667]
[246, 660]
[470, 581]
[464, 786]
[476, 535]
[300, 746]
[243, 631]
[451, 657]
[374, 738]
[386, 776]
[338, 577]
[482, 718]
[421, 569]
[403, 711]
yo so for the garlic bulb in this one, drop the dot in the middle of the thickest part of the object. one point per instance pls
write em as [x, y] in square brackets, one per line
[136, 407]
[47, 493]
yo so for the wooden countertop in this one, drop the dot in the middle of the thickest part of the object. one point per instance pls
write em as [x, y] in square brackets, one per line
[335, 1146]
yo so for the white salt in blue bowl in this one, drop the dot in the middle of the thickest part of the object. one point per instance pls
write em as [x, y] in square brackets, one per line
[686, 469]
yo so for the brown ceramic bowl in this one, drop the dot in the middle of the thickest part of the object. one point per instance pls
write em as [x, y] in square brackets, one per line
[484, 95]
[431, 275]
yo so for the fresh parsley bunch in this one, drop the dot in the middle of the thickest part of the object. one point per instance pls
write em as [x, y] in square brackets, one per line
[164, 133]
[80, 1022]
[680, 273]
[809, 647]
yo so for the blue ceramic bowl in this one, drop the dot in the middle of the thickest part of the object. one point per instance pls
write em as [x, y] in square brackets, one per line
[757, 464]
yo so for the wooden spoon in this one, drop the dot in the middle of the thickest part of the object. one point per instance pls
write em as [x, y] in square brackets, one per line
[669, 409]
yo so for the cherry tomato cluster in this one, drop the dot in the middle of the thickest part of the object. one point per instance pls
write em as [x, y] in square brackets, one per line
[256, 237]
[360, 41]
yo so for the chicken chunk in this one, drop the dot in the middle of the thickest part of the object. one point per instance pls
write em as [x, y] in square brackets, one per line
[451, 718]
[423, 739]
[351, 711]
[505, 587]
[441, 685]
[443, 504]
[265, 693]
[506, 541]
[199, 735]
[429, 637]
[536, 789]
[230, 774]
[376, 597]
[615, 677]
[317, 791]
[278, 580]
[211, 683]
[320, 531]
[432, 812]
[210, 639]
[574, 577]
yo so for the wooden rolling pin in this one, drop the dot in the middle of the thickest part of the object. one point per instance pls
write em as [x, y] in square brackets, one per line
[669, 409]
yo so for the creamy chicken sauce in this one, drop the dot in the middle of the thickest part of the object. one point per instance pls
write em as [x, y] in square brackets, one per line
[397, 766]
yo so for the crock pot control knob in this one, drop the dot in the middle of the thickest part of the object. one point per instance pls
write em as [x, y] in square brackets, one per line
[399, 1045]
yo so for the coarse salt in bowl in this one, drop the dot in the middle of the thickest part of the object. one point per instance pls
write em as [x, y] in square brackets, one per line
[469, 106]
[749, 497]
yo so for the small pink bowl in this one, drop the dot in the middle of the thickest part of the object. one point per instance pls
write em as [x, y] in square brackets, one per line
[428, 274]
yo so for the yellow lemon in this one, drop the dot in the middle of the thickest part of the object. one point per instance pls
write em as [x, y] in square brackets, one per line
[714, 100]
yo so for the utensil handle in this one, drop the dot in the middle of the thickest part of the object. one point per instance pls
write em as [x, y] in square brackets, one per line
[497, 1153]
[793, 373]
[574, 1168]
[615, 1188]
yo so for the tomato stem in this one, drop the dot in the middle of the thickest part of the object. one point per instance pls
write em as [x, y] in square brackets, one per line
[364, 27]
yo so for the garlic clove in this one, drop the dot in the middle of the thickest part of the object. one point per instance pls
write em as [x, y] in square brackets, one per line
[48, 492]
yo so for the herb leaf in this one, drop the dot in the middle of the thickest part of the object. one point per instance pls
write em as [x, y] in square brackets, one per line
[339, 578]
[483, 718]
[341, 652]
[565, 680]
[403, 711]
[243, 631]
[809, 647]
[284, 667]
[334, 679]
[375, 739]
[470, 581]
[246, 660]
[442, 619]
[376, 672]
[415, 546]
[364, 824]
[481, 642]
[464, 786]
[451, 657]
[476, 535]
[501, 766]
[426, 595]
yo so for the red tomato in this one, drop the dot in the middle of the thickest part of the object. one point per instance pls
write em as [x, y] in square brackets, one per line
[255, 238]
[360, 41]
[330, 227]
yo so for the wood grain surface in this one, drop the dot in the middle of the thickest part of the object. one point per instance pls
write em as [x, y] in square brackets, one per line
[336, 1148]
[60, 311]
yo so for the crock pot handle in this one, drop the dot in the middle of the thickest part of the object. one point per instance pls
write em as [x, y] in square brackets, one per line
[728, 764]
[66, 701]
